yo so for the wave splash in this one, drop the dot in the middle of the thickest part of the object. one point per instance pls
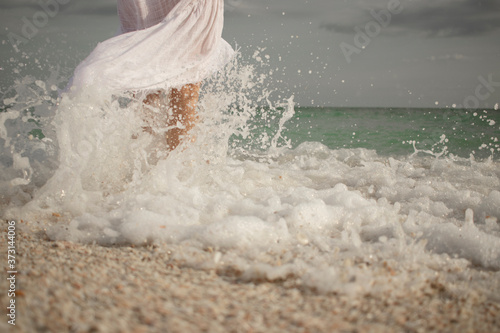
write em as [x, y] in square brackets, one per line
[240, 198]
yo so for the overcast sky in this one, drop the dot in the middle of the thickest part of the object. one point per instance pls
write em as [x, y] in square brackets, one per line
[406, 53]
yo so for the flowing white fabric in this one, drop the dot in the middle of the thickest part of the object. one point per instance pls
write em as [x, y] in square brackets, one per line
[141, 14]
[165, 44]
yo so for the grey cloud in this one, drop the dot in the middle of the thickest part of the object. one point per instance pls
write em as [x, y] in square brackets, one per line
[6, 4]
[300, 9]
[102, 10]
[338, 28]
[80, 7]
[441, 18]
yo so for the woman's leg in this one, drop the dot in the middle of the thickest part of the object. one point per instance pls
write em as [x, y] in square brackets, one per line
[181, 110]
[184, 117]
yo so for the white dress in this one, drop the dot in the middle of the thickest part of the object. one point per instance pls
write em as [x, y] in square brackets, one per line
[164, 44]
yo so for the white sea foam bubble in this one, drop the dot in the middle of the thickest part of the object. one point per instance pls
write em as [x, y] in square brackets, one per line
[241, 199]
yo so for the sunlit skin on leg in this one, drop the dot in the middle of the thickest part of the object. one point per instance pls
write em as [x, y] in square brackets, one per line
[182, 115]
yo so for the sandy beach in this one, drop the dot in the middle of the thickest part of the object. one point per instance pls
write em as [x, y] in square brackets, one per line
[68, 287]
[249, 166]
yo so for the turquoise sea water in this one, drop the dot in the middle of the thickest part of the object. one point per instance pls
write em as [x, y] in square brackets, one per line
[394, 131]
[389, 131]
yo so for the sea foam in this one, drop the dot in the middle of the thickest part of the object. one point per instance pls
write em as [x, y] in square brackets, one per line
[241, 198]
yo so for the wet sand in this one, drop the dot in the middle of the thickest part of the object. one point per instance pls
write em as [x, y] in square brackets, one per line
[67, 287]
